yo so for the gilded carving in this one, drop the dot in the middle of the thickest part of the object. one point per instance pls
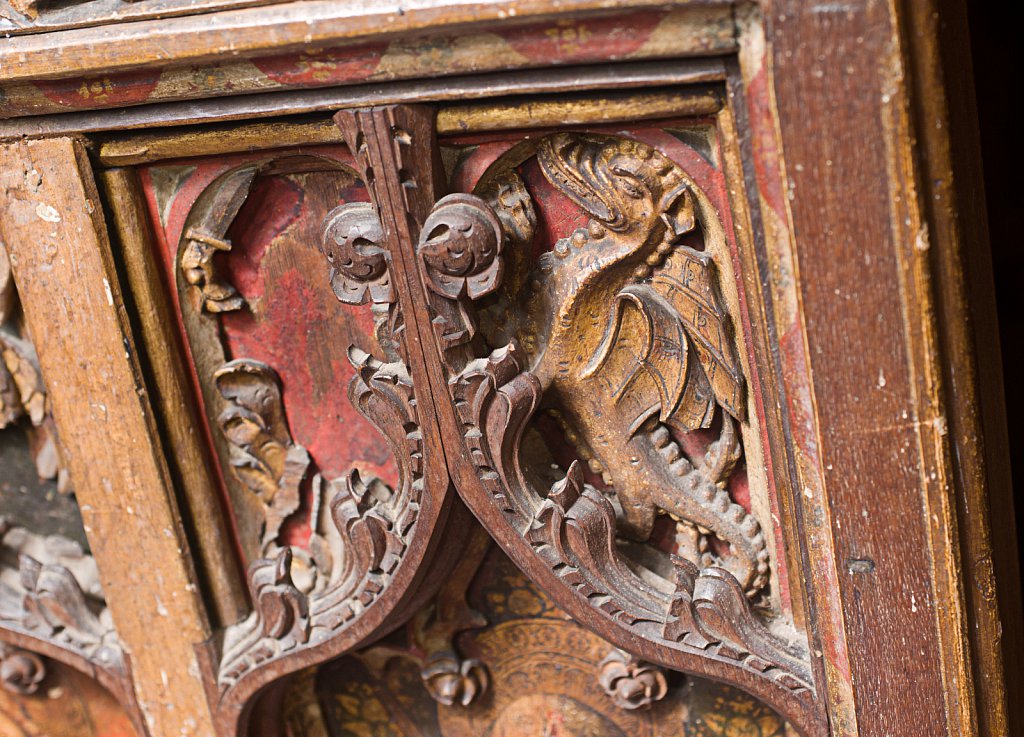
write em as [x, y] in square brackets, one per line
[623, 326]
[621, 332]
[262, 455]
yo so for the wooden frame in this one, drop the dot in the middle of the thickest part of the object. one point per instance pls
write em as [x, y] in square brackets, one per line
[908, 556]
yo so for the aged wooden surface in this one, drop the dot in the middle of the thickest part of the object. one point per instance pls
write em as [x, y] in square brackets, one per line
[34, 16]
[968, 336]
[341, 529]
[64, 703]
[825, 342]
[882, 423]
[572, 532]
[215, 553]
[51, 604]
[548, 675]
[22, 391]
[316, 24]
[628, 75]
[507, 45]
[54, 231]
[544, 113]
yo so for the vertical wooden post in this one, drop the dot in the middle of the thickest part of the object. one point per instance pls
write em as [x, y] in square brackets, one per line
[52, 226]
[216, 558]
[867, 288]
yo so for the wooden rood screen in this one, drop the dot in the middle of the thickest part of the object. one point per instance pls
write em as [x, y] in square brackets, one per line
[445, 374]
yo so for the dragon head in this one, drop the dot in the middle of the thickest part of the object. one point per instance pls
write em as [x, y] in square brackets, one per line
[625, 185]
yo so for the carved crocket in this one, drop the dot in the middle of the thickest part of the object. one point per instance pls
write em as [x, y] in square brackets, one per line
[624, 327]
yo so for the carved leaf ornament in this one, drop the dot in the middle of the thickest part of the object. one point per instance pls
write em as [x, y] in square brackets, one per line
[620, 331]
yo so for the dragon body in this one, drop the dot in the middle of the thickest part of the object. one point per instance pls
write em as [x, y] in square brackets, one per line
[624, 327]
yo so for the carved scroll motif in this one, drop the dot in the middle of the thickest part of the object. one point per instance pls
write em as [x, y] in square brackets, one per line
[201, 244]
[620, 330]
[362, 531]
[21, 671]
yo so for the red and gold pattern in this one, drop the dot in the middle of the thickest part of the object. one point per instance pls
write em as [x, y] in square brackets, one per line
[639, 36]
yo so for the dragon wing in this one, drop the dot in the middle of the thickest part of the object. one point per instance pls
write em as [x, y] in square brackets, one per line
[687, 281]
[645, 361]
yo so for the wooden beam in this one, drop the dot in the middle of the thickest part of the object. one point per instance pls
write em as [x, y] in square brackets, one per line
[311, 24]
[54, 231]
[451, 121]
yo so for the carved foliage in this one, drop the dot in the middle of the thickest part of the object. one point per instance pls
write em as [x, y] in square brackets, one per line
[263, 456]
[631, 683]
[212, 216]
[49, 593]
[21, 671]
[363, 526]
[449, 678]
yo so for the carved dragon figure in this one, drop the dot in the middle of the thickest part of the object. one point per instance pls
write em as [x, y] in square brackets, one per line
[624, 327]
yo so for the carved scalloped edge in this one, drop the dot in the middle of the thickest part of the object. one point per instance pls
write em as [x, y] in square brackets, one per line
[700, 623]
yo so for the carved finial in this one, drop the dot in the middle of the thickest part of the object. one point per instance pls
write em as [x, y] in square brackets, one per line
[451, 680]
[281, 608]
[631, 683]
[564, 493]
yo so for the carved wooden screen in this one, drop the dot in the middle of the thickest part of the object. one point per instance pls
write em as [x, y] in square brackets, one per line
[550, 330]
[488, 368]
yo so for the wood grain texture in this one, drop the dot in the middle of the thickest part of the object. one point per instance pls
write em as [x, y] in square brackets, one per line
[966, 316]
[54, 231]
[216, 556]
[453, 120]
[34, 16]
[455, 89]
[866, 292]
[304, 25]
